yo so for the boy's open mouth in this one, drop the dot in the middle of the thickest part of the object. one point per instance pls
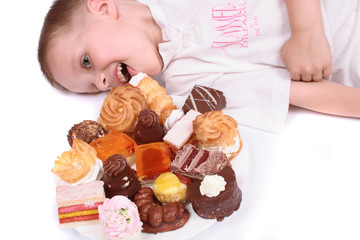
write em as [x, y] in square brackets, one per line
[122, 74]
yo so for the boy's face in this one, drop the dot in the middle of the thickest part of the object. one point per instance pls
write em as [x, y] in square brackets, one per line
[101, 56]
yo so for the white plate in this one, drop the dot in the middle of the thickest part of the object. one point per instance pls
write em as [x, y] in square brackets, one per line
[195, 224]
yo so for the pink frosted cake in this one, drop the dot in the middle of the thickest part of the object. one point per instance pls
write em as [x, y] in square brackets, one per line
[120, 218]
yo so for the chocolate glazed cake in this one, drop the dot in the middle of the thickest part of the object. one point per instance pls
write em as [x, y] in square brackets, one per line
[148, 128]
[119, 178]
[220, 206]
[204, 99]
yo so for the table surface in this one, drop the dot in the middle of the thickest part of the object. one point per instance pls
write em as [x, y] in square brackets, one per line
[303, 182]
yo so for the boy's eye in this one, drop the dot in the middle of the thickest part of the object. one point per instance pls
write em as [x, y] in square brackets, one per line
[85, 62]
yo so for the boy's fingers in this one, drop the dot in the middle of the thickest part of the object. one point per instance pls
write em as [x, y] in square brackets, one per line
[306, 77]
[295, 76]
[327, 72]
[317, 77]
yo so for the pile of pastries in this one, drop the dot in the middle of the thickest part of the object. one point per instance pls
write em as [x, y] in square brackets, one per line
[144, 162]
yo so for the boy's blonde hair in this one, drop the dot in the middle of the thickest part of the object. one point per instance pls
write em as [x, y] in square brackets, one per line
[59, 20]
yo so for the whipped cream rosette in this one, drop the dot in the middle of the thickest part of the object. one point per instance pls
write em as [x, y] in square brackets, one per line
[78, 165]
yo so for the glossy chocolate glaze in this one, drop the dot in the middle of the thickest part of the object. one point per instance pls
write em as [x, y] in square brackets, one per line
[119, 178]
[204, 99]
[220, 206]
[148, 128]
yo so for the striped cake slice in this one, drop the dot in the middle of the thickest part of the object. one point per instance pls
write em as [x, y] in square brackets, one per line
[196, 163]
[78, 205]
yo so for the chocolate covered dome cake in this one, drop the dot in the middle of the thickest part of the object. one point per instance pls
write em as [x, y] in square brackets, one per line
[119, 178]
[220, 206]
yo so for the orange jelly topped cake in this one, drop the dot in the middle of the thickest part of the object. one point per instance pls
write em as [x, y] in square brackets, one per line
[152, 159]
[115, 142]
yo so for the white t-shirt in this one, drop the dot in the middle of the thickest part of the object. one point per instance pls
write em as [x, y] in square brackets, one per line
[233, 46]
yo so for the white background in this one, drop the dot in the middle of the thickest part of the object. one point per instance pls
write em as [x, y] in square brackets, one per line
[304, 183]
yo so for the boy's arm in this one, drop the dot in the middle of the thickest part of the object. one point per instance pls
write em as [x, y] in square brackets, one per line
[326, 97]
[307, 53]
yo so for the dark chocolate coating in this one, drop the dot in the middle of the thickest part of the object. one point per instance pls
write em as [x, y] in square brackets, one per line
[119, 178]
[221, 206]
[148, 128]
[204, 99]
[87, 131]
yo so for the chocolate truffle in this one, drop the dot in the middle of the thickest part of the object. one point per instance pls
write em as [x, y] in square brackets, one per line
[119, 178]
[220, 206]
[204, 99]
[148, 128]
[87, 131]
[196, 163]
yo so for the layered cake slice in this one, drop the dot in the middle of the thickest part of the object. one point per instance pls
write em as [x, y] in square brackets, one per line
[78, 205]
[196, 163]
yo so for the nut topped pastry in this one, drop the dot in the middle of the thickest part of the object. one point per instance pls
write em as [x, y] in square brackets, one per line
[217, 131]
[87, 130]
[121, 108]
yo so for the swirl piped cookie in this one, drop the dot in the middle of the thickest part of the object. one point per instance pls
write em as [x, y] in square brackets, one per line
[217, 131]
[78, 165]
[121, 108]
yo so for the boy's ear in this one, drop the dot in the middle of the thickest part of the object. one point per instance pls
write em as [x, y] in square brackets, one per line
[102, 8]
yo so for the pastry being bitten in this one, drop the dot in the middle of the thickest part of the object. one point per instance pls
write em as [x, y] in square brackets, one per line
[217, 131]
[155, 95]
[121, 108]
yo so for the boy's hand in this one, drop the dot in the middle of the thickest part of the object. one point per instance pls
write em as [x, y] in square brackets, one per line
[307, 56]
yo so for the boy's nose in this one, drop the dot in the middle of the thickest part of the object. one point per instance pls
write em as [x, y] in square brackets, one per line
[103, 83]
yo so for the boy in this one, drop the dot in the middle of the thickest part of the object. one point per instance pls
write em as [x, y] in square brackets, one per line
[233, 46]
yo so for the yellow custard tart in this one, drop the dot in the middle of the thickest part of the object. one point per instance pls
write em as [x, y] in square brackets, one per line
[168, 188]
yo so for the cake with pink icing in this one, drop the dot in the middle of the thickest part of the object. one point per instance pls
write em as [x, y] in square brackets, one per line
[120, 219]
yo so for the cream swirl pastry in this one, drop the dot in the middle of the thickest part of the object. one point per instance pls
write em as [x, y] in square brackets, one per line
[78, 165]
[121, 108]
[120, 218]
[217, 131]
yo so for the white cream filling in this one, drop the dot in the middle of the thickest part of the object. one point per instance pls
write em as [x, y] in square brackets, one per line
[212, 185]
[227, 150]
[175, 116]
